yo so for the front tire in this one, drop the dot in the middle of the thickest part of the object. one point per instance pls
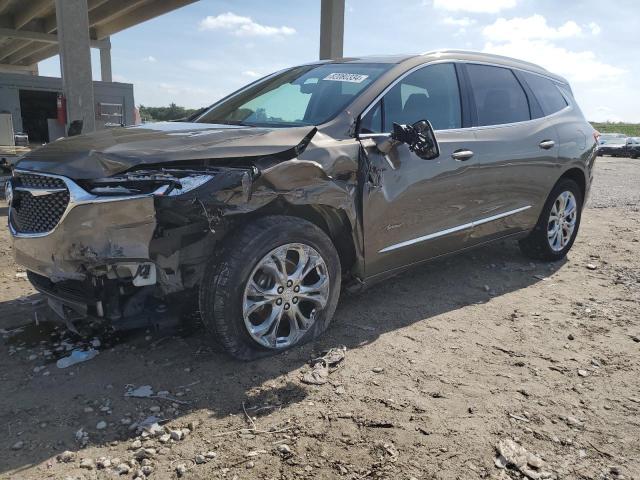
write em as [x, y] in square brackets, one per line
[558, 224]
[274, 285]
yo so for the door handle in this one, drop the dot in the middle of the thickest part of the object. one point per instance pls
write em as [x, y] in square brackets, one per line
[547, 144]
[463, 154]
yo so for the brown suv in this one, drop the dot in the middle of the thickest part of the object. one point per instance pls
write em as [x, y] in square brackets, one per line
[331, 173]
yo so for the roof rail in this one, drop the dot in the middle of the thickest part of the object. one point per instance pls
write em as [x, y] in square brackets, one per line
[484, 54]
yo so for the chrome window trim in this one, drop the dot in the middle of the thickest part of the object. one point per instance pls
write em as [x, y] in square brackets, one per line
[77, 196]
[453, 61]
[398, 79]
[471, 129]
[458, 228]
[490, 64]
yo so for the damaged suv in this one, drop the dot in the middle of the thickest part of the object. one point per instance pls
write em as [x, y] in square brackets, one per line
[322, 176]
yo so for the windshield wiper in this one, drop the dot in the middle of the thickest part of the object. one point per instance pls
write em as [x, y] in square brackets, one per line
[233, 122]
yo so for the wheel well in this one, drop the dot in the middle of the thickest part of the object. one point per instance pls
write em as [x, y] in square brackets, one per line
[577, 176]
[331, 221]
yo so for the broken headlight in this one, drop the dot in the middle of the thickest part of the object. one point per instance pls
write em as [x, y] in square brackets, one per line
[161, 182]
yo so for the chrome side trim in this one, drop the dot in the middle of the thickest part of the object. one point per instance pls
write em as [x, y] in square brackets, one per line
[448, 231]
[373, 135]
[77, 196]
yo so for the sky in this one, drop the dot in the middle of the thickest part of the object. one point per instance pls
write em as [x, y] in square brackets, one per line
[199, 53]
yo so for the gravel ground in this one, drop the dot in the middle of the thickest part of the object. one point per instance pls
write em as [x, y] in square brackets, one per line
[451, 371]
[616, 184]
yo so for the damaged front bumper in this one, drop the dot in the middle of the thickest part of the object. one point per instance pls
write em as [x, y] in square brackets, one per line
[85, 253]
[91, 231]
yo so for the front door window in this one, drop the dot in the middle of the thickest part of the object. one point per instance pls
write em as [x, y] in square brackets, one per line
[430, 93]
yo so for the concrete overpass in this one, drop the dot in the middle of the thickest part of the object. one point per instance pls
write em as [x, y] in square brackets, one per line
[34, 30]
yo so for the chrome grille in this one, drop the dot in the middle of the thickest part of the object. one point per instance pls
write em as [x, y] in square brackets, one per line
[34, 209]
[38, 181]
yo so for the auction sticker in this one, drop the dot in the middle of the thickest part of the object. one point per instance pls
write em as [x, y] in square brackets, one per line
[346, 77]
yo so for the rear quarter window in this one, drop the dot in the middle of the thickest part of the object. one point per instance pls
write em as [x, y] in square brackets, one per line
[546, 92]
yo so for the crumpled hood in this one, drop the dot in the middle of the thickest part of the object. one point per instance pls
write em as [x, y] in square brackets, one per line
[115, 150]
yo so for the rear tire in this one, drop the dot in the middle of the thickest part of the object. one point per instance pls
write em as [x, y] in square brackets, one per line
[275, 285]
[558, 225]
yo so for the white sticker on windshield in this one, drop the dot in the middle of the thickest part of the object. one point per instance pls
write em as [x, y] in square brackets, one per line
[346, 77]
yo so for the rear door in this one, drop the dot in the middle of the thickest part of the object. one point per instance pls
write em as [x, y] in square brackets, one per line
[516, 150]
[415, 209]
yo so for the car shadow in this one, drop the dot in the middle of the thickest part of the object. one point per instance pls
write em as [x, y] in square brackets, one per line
[186, 362]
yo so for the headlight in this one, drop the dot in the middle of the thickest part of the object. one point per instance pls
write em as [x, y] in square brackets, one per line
[158, 182]
[184, 185]
[8, 192]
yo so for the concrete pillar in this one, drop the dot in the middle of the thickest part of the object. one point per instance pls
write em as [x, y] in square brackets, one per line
[75, 62]
[331, 29]
[105, 62]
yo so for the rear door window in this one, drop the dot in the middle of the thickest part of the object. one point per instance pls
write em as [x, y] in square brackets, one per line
[547, 93]
[499, 97]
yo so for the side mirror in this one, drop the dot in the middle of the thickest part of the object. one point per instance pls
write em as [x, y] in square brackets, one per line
[419, 137]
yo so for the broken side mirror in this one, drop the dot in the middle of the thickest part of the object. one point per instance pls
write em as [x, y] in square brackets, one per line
[419, 137]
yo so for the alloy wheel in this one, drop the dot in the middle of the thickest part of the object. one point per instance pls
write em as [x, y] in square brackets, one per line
[562, 221]
[284, 295]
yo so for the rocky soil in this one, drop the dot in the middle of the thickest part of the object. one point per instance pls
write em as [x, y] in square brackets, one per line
[480, 366]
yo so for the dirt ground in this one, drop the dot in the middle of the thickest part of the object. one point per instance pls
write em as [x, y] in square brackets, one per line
[442, 364]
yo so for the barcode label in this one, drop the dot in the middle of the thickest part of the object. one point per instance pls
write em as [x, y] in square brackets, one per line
[346, 77]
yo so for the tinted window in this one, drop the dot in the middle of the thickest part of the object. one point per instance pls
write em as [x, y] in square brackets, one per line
[499, 97]
[547, 93]
[429, 93]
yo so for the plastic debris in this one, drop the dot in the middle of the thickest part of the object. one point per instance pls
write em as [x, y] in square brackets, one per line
[143, 391]
[324, 365]
[512, 455]
[150, 425]
[77, 356]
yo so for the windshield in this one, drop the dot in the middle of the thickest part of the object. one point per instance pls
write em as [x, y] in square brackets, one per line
[307, 95]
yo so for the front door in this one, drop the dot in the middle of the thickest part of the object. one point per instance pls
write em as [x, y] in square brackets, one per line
[415, 209]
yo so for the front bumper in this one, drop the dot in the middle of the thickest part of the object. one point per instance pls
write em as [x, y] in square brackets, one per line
[89, 257]
[92, 233]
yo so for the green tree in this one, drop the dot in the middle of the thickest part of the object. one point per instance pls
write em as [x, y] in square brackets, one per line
[629, 129]
[163, 114]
